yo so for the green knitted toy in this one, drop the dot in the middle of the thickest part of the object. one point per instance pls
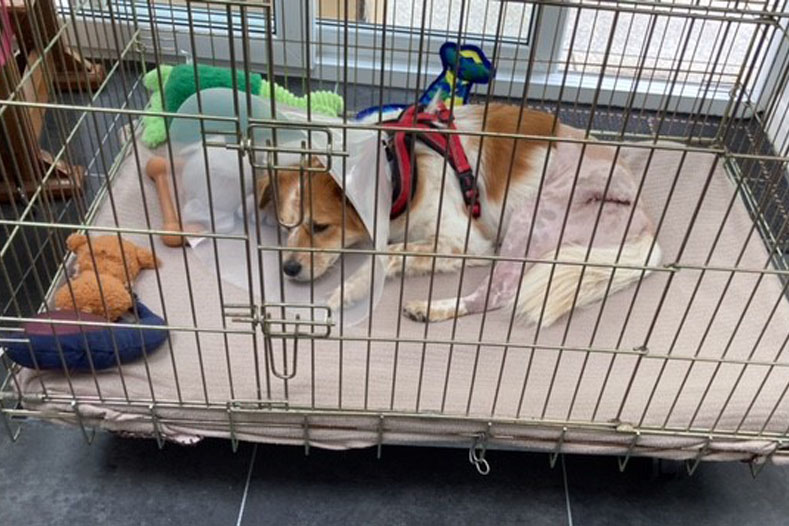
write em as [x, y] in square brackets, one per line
[179, 84]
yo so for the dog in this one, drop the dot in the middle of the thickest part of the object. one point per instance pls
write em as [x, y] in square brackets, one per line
[512, 174]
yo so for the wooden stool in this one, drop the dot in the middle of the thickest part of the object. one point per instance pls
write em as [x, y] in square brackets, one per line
[71, 71]
[24, 162]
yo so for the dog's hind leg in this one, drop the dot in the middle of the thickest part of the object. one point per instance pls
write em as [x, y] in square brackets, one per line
[357, 286]
[499, 291]
[448, 308]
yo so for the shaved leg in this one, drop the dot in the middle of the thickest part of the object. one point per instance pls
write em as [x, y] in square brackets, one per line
[498, 292]
[357, 286]
[501, 292]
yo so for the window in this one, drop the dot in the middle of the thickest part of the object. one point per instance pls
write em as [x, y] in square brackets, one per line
[686, 52]
[441, 17]
[660, 44]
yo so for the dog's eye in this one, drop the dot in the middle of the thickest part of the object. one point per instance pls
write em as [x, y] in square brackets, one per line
[319, 227]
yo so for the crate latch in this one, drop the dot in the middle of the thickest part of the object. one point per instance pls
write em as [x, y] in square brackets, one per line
[284, 325]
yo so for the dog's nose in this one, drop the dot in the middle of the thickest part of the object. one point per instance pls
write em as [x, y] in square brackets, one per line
[292, 267]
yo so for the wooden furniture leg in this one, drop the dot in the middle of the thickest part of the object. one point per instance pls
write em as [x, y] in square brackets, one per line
[35, 24]
[71, 71]
[24, 163]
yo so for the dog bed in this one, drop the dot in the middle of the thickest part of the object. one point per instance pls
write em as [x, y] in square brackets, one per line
[681, 364]
[85, 347]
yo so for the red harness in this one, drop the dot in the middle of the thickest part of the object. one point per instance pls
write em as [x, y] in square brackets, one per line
[400, 146]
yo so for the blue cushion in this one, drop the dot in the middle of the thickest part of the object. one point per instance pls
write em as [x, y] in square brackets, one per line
[80, 344]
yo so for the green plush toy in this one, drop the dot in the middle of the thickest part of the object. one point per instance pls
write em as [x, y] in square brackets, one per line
[179, 84]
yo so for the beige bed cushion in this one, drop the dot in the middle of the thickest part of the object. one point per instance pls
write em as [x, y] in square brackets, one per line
[489, 383]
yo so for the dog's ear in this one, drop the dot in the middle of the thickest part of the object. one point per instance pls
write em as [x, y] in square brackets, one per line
[315, 162]
[265, 191]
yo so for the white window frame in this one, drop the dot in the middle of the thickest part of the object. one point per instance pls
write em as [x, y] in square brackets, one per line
[545, 84]
[403, 61]
[326, 62]
[174, 37]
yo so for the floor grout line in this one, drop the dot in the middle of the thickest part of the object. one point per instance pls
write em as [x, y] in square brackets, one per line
[246, 485]
[567, 494]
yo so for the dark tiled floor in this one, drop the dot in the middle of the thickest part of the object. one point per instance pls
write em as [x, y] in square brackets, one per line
[52, 477]
[719, 494]
[407, 486]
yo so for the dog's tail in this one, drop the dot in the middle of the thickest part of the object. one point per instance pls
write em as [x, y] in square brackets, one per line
[565, 279]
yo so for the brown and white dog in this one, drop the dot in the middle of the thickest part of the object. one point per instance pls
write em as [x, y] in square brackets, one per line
[510, 172]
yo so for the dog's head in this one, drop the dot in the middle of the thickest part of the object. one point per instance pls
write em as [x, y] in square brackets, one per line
[326, 216]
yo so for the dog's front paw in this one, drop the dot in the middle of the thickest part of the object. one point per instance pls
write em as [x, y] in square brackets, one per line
[416, 310]
[439, 310]
[336, 299]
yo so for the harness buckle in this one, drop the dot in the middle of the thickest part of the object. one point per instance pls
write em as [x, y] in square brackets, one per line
[470, 192]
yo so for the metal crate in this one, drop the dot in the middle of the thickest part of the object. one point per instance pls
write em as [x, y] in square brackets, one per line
[688, 77]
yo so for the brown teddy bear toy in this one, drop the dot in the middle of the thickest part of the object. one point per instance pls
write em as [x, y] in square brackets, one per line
[107, 261]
